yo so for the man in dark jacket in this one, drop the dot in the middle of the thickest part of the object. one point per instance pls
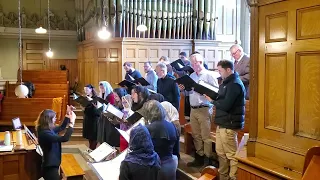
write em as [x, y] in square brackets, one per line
[167, 86]
[229, 118]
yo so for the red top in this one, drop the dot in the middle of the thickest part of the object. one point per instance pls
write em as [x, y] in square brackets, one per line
[111, 99]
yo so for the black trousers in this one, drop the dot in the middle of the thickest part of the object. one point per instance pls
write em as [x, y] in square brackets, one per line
[50, 173]
[187, 107]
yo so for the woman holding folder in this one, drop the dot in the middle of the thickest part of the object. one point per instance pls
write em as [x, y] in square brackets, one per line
[91, 118]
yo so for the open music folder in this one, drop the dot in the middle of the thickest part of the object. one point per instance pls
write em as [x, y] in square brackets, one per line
[111, 110]
[201, 87]
[180, 66]
[83, 101]
[102, 152]
[142, 81]
[126, 134]
[109, 170]
[126, 83]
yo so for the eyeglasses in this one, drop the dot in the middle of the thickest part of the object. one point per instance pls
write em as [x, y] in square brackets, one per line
[233, 54]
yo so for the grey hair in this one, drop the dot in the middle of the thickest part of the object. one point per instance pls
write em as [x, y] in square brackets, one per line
[163, 67]
[154, 111]
[236, 46]
[198, 57]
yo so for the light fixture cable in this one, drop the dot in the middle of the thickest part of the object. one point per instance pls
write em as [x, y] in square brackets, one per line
[20, 41]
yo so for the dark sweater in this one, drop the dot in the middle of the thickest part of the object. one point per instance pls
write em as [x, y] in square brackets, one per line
[230, 104]
[170, 90]
[135, 74]
[50, 143]
[130, 171]
[165, 139]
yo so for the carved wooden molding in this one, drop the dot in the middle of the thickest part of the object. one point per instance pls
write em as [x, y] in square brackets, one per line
[34, 20]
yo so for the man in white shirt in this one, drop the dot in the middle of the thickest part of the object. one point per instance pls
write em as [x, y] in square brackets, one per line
[200, 114]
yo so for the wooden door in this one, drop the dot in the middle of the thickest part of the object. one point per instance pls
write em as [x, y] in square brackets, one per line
[288, 81]
[34, 56]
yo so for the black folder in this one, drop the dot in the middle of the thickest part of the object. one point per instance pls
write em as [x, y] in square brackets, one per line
[101, 100]
[83, 101]
[177, 64]
[142, 81]
[189, 83]
[134, 118]
[126, 83]
[188, 69]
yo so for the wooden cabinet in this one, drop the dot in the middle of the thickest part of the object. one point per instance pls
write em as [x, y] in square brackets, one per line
[285, 86]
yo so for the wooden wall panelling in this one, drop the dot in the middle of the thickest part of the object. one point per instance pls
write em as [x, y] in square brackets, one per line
[213, 51]
[80, 61]
[33, 53]
[109, 64]
[71, 65]
[287, 83]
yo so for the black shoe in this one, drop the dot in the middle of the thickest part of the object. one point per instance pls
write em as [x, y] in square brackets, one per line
[207, 161]
[197, 162]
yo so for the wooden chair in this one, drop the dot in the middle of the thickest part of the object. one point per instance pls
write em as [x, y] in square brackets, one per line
[70, 169]
[209, 173]
[311, 168]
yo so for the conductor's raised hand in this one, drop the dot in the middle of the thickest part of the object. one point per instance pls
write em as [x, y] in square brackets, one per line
[72, 116]
[70, 108]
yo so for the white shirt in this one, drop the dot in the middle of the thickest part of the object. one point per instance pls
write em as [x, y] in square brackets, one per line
[210, 77]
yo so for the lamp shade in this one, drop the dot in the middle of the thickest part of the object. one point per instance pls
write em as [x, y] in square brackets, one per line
[40, 30]
[21, 91]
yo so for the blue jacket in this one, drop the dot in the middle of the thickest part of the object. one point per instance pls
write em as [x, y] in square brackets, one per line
[50, 143]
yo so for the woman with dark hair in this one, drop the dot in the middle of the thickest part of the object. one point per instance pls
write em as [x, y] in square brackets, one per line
[108, 133]
[50, 141]
[142, 162]
[164, 137]
[139, 95]
[91, 118]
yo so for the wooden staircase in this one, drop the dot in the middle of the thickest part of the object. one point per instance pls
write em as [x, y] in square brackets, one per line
[77, 133]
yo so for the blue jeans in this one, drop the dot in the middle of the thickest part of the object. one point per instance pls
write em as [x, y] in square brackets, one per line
[168, 169]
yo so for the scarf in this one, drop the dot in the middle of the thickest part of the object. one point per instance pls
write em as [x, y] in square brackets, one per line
[142, 149]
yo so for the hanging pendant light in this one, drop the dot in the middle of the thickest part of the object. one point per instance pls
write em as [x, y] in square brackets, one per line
[20, 91]
[103, 33]
[49, 53]
[40, 29]
[142, 28]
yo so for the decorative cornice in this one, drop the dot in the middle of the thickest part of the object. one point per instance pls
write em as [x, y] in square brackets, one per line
[9, 32]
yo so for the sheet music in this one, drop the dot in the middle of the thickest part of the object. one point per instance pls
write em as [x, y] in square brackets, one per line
[102, 152]
[132, 79]
[109, 170]
[213, 88]
[152, 91]
[6, 148]
[115, 111]
[75, 96]
[16, 123]
[180, 66]
[126, 134]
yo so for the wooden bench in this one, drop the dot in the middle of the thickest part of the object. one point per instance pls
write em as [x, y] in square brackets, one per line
[27, 109]
[70, 169]
[209, 173]
[45, 76]
[42, 90]
[189, 146]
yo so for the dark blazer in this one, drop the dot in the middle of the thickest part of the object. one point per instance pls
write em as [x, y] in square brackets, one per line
[243, 69]
[170, 90]
[50, 143]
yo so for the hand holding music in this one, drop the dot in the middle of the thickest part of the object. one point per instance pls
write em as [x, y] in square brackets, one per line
[208, 98]
[181, 87]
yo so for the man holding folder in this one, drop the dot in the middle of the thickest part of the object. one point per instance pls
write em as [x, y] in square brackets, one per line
[200, 114]
[230, 109]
